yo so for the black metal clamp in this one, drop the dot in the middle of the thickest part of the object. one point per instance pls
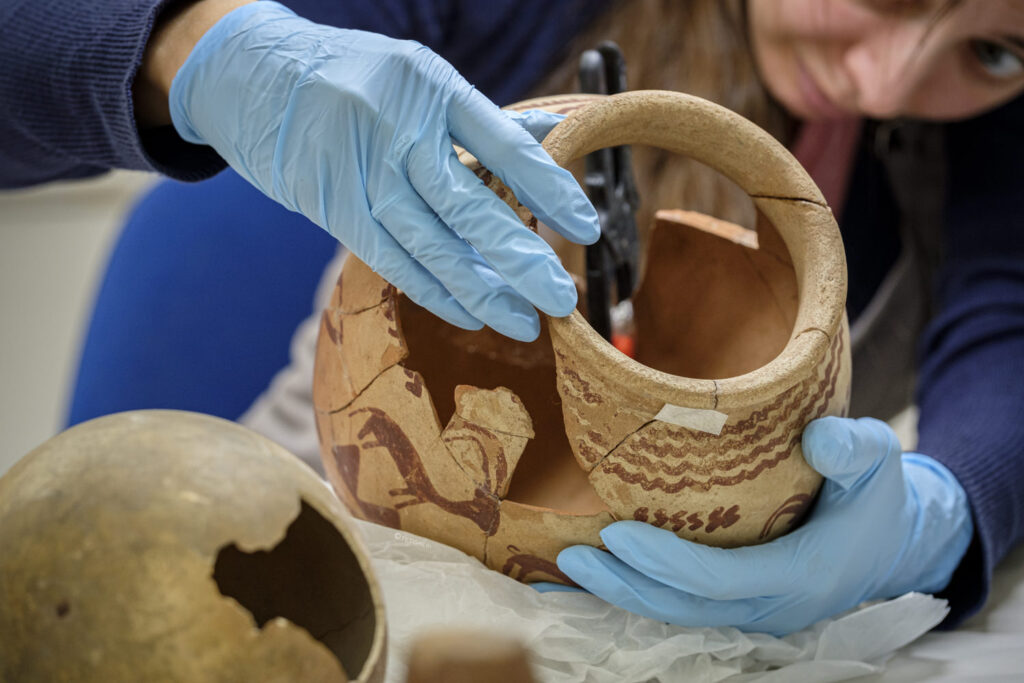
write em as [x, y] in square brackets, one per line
[611, 187]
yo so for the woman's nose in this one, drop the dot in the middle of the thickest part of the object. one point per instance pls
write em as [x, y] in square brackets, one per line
[887, 67]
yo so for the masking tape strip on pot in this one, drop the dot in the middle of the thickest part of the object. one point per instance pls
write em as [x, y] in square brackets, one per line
[699, 419]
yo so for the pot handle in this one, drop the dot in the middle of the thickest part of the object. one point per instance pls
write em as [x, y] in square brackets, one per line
[775, 181]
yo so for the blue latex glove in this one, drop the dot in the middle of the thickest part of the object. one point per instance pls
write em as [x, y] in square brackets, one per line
[354, 130]
[884, 524]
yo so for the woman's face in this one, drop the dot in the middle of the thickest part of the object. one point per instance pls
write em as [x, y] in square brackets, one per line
[827, 59]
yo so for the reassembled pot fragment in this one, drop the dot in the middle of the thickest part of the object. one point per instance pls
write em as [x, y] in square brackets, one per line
[512, 451]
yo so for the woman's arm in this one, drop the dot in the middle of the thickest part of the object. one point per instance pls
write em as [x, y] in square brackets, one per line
[351, 128]
[83, 86]
[971, 397]
[971, 388]
[67, 70]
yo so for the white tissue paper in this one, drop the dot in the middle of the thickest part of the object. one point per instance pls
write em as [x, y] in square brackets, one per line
[576, 637]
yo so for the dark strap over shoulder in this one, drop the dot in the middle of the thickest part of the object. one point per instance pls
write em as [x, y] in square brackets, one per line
[884, 337]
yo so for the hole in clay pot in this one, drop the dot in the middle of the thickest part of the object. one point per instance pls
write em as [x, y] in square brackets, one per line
[547, 474]
[312, 579]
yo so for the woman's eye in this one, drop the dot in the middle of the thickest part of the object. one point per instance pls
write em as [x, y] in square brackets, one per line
[996, 59]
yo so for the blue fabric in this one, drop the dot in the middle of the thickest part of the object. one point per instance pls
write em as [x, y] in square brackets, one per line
[202, 294]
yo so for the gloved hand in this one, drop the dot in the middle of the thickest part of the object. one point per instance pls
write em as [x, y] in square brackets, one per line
[355, 130]
[884, 524]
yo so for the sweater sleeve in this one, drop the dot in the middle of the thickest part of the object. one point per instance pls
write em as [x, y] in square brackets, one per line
[971, 387]
[67, 68]
[66, 111]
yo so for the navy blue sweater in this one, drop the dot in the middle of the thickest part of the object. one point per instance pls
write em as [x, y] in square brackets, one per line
[66, 69]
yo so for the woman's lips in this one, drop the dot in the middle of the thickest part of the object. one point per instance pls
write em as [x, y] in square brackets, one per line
[815, 101]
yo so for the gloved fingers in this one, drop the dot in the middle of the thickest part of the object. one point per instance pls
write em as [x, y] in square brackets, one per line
[618, 583]
[773, 569]
[387, 258]
[521, 257]
[847, 451]
[424, 289]
[510, 152]
[946, 516]
[536, 122]
[550, 587]
[457, 265]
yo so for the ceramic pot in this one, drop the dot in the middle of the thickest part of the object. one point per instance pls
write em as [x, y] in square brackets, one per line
[171, 546]
[513, 451]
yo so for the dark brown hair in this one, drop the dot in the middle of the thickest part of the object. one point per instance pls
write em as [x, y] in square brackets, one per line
[699, 47]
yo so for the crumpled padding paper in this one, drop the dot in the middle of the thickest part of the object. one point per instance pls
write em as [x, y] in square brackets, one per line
[577, 638]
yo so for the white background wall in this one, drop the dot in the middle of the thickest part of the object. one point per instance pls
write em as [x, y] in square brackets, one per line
[53, 246]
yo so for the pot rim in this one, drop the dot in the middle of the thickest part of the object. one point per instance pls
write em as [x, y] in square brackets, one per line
[781, 189]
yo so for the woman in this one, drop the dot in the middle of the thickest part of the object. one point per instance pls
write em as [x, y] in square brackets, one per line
[352, 130]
